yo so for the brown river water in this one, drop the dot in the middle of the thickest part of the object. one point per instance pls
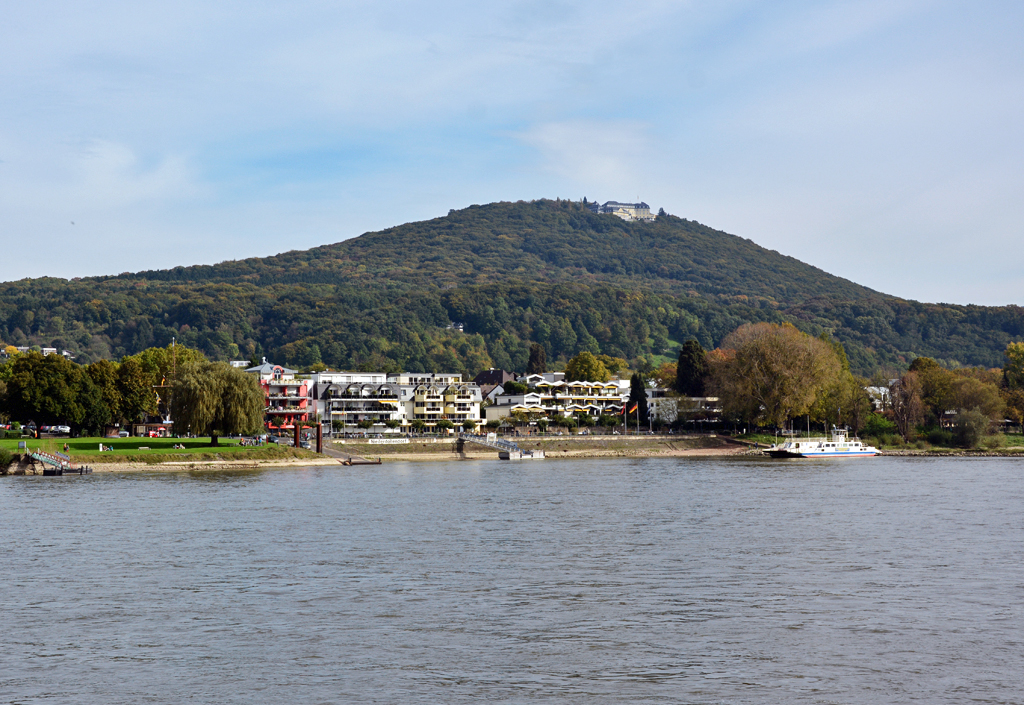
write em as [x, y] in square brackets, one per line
[730, 580]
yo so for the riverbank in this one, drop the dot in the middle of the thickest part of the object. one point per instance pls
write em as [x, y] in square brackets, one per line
[417, 450]
[555, 447]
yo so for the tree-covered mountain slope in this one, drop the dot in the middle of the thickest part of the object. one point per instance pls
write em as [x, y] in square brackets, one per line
[512, 274]
[544, 241]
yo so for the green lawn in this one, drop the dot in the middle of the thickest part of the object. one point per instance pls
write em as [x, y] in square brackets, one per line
[142, 448]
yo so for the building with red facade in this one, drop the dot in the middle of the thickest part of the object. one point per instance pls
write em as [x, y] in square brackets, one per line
[287, 398]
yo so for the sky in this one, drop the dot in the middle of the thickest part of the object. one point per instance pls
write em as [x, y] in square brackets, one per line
[878, 140]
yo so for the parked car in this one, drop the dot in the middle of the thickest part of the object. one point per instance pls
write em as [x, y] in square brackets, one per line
[123, 434]
[62, 429]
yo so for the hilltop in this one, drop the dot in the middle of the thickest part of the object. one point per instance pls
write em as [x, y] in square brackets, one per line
[511, 273]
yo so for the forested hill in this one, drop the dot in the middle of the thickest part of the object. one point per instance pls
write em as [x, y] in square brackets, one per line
[544, 241]
[512, 273]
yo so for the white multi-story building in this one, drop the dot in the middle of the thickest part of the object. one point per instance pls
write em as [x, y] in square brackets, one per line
[344, 399]
[550, 394]
[626, 211]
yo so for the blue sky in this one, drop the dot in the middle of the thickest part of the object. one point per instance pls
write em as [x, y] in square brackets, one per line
[880, 141]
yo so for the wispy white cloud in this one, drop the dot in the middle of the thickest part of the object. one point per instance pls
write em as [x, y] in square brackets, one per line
[198, 131]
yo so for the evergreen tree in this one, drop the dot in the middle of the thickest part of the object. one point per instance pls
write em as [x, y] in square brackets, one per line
[638, 396]
[538, 360]
[691, 370]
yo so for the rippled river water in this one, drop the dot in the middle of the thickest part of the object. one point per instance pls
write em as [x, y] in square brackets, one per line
[677, 581]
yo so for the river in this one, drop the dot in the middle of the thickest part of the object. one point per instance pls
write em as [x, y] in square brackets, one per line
[599, 581]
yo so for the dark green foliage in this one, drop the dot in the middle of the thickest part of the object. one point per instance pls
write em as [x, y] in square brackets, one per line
[516, 274]
[6, 458]
[50, 390]
[877, 425]
[638, 396]
[515, 387]
[538, 362]
[970, 427]
[691, 369]
[940, 437]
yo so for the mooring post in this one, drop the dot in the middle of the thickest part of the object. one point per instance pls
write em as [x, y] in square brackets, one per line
[320, 437]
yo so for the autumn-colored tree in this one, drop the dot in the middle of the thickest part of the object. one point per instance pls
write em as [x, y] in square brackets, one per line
[1013, 370]
[907, 406]
[971, 393]
[665, 375]
[587, 368]
[768, 373]
[614, 365]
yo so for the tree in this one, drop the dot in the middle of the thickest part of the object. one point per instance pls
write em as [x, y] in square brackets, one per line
[511, 387]
[587, 368]
[137, 395]
[766, 373]
[970, 427]
[638, 397]
[665, 375]
[691, 370]
[970, 393]
[445, 424]
[365, 424]
[392, 423]
[468, 425]
[1013, 370]
[418, 425]
[212, 398]
[614, 365]
[50, 389]
[161, 364]
[538, 362]
[104, 375]
[907, 407]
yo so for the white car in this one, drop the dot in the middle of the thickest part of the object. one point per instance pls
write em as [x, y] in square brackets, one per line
[62, 429]
[123, 434]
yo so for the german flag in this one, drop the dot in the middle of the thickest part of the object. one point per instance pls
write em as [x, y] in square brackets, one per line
[634, 407]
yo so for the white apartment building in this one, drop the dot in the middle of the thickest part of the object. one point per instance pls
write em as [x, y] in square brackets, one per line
[344, 399]
[550, 394]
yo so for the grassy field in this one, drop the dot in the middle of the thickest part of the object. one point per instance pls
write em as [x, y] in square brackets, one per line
[156, 449]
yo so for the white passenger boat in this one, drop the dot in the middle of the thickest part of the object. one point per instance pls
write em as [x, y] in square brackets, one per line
[838, 446]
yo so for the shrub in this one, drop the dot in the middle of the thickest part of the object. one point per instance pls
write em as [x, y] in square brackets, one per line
[6, 458]
[877, 425]
[940, 437]
[970, 427]
[996, 440]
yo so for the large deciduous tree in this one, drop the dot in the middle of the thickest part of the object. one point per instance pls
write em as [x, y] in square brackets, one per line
[138, 397]
[907, 405]
[587, 368]
[50, 389]
[1013, 370]
[768, 374]
[212, 398]
[691, 369]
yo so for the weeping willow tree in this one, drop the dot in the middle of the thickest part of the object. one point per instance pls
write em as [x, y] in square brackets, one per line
[213, 398]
